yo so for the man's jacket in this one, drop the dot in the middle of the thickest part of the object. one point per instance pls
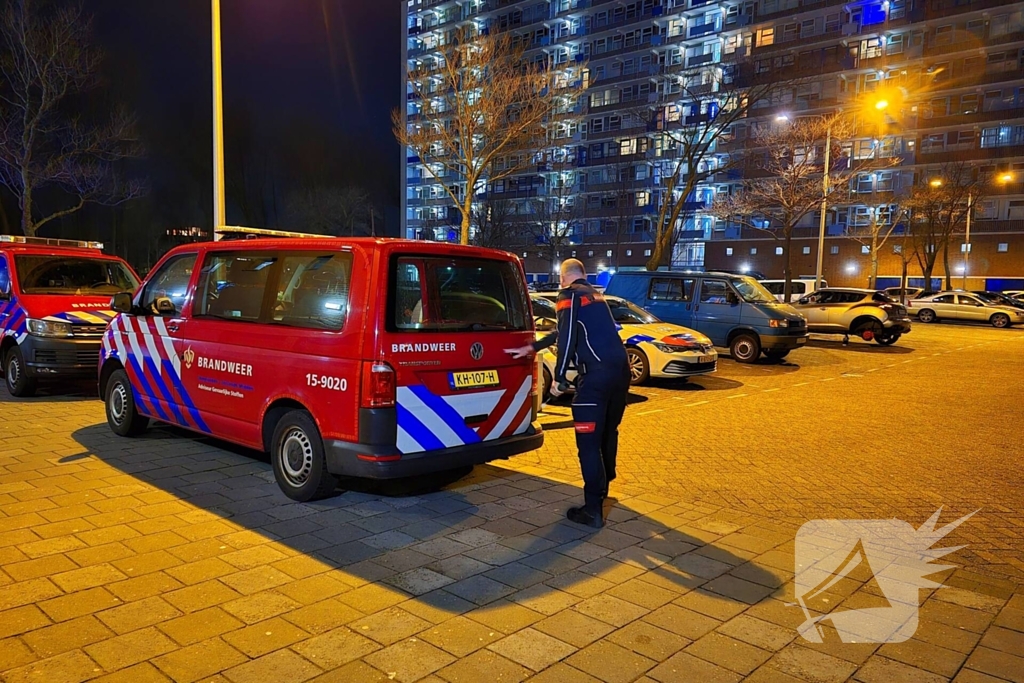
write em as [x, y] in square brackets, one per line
[587, 335]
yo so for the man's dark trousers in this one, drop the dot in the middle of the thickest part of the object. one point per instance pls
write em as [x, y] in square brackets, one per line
[597, 410]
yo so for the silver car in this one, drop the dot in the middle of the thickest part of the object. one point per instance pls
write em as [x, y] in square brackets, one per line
[860, 312]
[963, 306]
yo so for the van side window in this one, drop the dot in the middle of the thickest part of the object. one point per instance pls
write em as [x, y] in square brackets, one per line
[313, 290]
[775, 287]
[5, 278]
[171, 281]
[714, 292]
[232, 284]
[670, 289]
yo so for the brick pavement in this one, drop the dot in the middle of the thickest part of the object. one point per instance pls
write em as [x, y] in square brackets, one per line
[171, 557]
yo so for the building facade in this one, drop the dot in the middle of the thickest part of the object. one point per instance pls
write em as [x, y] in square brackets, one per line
[957, 65]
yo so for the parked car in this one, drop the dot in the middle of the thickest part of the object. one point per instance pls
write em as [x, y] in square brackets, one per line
[861, 312]
[799, 288]
[998, 298]
[902, 294]
[963, 306]
[734, 311]
[654, 348]
[340, 357]
[54, 308]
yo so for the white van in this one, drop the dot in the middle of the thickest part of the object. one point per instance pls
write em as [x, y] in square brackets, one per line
[799, 288]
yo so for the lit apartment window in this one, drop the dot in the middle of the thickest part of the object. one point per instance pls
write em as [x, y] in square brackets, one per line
[865, 249]
[1003, 247]
[647, 252]
[629, 252]
[897, 248]
[778, 251]
[728, 251]
[753, 251]
[807, 250]
[590, 253]
[608, 253]
[574, 253]
[834, 250]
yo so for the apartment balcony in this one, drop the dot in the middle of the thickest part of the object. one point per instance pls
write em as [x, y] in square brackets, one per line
[804, 6]
[781, 45]
[978, 117]
[947, 8]
[940, 156]
[700, 60]
[704, 29]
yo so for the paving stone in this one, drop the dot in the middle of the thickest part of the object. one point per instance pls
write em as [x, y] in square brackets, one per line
[199, 661]
[21, 619]
[610, 663]
[643, 594]
[14, 653]
[254, 608]
[129, 649]
[266, 636]
[314, 589]
[650, 641]
[66, 636]
[504, 616]
[574, 628]
[925, 656]
[763, 634]
[1011, 618]
[610, 609]
[533, 649]
[995, 663]
[812, 666]
[682, 622]
[879, 669]
[357, 671]
[140, 673]
[461, 636]
[389, 626]
[437, 606]
[484, 665]
[70, 667]
[78, 604]
[409, 660]
[336, 648]
[201, 596]
[479, 589]
[563, 673]
[419, 581]
[729, 653]
[200, 626]
[685, 668]
[1004, 640]
[371, 598]
[322, 616]
[544, 599]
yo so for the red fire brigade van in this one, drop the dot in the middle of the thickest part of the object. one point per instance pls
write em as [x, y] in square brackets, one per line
[54, 308]
[358, 357]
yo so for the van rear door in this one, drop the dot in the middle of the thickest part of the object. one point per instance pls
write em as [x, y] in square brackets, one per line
[449, 321]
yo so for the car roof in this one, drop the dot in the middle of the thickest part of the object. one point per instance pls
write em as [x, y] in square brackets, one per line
[856, 290]
[261, 243]
[44, 250]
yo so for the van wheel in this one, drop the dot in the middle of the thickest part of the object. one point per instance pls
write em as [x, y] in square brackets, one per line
[639, 366]
[927, 315]
[297, 453]
[122, 416]
[745, 348]
[18, 381]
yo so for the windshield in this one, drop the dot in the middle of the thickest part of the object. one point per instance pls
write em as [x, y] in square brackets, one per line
[626, 313]
[436, 293]
[543, 308]
[752, 291]
[73, 275]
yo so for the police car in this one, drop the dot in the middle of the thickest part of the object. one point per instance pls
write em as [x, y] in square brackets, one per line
[340, 357]
[654, 348]
[54, 307]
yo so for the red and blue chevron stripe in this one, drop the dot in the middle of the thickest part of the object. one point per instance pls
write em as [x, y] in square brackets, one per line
[13, 320]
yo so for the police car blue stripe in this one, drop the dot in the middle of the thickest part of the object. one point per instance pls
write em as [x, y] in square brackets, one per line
[162, 386]
[446, 413]
[147, 391]
[419, 433]
[637, 338]
[189, 405]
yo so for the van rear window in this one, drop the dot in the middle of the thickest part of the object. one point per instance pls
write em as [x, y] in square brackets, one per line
[434, 293]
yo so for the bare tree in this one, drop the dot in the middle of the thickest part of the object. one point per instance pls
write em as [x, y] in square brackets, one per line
[497, 224]
[784, 179]
[46, 59]
[883, 219]
[686, 132]
[485, 113]
[938, 209]
[329, 210]
[556, 216]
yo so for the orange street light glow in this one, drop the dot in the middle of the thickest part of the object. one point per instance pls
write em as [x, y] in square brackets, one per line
[935, 182]
[1006, 178]
[881, 104]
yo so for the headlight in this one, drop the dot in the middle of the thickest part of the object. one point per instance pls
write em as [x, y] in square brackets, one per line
[668, 348]
[48, 328]
[778, 323]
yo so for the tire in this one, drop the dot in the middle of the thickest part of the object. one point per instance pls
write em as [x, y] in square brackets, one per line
[1000, 320]
[639, 366]
[887, 337]
[119, 404]
[546, 382]
[745, 348]
[927, 315]
[776, 354]
[872, 326]
[297, 454]
[18, 382]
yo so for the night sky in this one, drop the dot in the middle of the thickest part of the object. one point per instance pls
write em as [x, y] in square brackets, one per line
[298, 74]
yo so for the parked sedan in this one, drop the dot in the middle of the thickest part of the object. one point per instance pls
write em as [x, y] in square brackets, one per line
[964, 306]
[654, 348]
[998, 298]
[861, 312]
[897, 293]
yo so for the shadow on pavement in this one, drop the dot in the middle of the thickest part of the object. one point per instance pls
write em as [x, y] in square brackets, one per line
[860, 346]
[451, 543]
[702, 383]
[50, 392]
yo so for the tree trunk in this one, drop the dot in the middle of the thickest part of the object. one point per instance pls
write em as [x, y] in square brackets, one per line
[654, 262]
[28, 228]
[873, 282]
[903, 282]
[945, 264]
[467, 213]
[787, 273]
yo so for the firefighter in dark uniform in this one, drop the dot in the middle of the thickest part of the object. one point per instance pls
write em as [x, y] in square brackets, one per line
[588, 338]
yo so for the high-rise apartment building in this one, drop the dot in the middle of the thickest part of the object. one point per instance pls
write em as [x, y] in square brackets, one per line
[958, 66]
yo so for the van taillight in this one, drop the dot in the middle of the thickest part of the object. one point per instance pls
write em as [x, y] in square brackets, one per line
[378, 385]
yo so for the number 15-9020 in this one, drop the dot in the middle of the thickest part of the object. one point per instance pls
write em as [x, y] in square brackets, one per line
[327, 382]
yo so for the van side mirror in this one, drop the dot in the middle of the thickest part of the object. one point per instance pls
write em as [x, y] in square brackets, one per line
[164, 306]
[121, 302]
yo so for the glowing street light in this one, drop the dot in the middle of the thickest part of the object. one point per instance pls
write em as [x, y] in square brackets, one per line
[881, 105]
[935, 182]
[1003, 179]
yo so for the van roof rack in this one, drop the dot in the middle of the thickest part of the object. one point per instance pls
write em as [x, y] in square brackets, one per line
[235, 232]
[50, 242]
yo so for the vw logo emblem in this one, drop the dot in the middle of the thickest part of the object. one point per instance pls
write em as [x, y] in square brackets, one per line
[476, 351]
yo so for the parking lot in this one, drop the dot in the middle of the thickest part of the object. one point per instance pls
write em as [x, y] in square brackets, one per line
[173, 557]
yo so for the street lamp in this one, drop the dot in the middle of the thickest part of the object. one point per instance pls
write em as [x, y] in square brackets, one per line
[1003, 179]
[219, 212]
